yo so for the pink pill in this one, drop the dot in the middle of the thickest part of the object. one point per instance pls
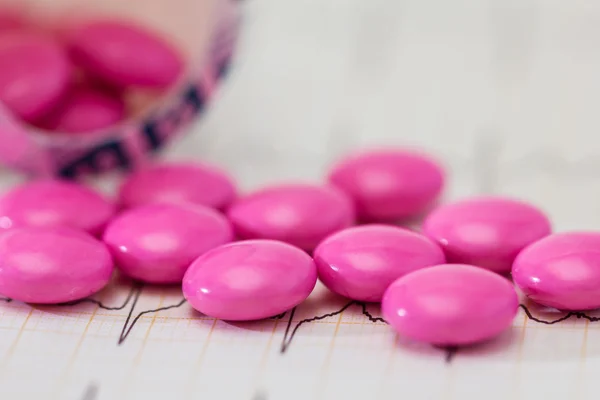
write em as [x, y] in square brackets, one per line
[86, 110]
[249, 280]
[300, 214]
[125, 54]
[178, 182]
[158, 242]
[486, 231]
[52, 265]
[389, 185]
[561, 271]
[49, 203]
[450, 305]
[10, 20]
[34, 74]
[361, 262]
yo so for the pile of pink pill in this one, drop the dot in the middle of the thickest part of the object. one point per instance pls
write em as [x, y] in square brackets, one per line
[81, 77]
[250, 256]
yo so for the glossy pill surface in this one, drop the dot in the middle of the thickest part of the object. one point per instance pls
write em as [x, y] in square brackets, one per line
[486, 231]
[450, 305]
[299, 214]
[48, 203]
[178, 182]
[158, 242]
[34, 73]
[389, 185]
[52, 265]
[561, 271]
[249, 280]
[361, 262]
[125, 54]
[86, 110]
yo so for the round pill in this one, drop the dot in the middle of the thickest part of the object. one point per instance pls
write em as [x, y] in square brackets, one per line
[389, 185]
[361, 262]
[450, 305]
[561, 271]
[486, 231]
[52, 265]
[85, 110]
[156, 243]
[299, 214]
[178, 182]
[125, 54]
[249, 280]
[34, 74]
[48, 203]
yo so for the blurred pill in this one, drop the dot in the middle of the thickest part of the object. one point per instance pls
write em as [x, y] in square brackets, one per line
[361, 262]
[486, 231]
[297, 213]
[85, 110]
[178, 182]
[156, 243]
[50, 203]
[389, 185]
[125, 54]
[52, 265]
[34, 73]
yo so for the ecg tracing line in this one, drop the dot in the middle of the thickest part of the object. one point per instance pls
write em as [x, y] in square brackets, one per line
[290, 333]
[291, 329]
[568, 315]
[134, 289]
[128, 328]
[450, 353]
[132, 297]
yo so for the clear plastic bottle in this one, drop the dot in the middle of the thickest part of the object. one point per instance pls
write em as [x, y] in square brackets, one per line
[204, 31]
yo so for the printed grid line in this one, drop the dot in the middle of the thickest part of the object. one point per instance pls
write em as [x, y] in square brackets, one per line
[200, 360]
[344, 319]
[136, 361]
[75, 353]
[582, 360]
[14, 344]
[325, 367]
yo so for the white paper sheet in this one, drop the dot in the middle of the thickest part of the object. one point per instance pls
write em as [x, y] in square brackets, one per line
[506, 93]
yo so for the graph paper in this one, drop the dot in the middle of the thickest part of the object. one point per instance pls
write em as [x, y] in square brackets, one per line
[504, 93]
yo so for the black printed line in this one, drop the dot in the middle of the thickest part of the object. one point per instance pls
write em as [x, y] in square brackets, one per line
[91, 392]
[131, 300]
[125, 331]
[127, 328]
[135, 289]
[279, 316]
[290, 333]
[576, 314]
[450, 353]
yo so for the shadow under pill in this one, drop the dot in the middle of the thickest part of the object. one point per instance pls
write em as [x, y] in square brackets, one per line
[497, 345]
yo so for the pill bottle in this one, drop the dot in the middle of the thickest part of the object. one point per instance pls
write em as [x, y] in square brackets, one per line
[204, 31]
